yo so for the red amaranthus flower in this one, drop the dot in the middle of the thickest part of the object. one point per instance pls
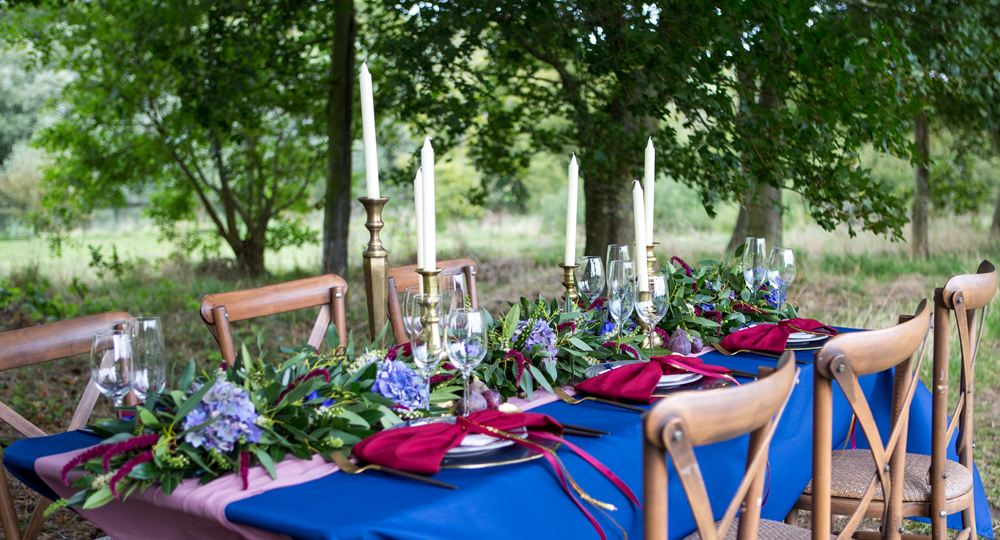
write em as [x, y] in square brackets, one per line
[568, 324]
[143, 441]
[444, 377]
[144, 457]
[245, 468]
[521, 362]
[84, 457]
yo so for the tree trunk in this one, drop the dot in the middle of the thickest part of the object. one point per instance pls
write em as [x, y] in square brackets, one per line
[764, 215]
[995, 228]
[739, 231]
[922, 195]
[608, 217]
[250, 257]
[339, 107]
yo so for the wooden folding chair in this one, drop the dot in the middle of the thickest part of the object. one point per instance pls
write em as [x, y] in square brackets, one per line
[684, 421]
[220, 309]
[967, 296]
[402, 277]
[36, 345]
[854, 482]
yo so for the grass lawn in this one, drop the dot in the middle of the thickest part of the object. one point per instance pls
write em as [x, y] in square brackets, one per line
[861, 282]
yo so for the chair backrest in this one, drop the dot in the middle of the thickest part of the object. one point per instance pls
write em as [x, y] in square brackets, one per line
[220, 309]
[686, 420]
[844, 359]
[968, 296]
[402, 277]
[36, 345]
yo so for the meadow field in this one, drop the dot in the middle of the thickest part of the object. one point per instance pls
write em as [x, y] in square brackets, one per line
[865, 281]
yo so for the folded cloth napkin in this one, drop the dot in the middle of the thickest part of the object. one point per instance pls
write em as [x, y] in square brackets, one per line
[420, 449]
[636, 382]
[773, 338]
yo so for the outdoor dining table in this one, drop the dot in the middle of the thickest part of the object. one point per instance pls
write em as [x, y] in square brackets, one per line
[522, 500]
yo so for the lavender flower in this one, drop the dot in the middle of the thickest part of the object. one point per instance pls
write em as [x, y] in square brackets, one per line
[396, 381]
[540, 334]
[235, 418]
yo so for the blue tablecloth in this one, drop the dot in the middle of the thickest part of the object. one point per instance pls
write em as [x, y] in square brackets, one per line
[526, 501]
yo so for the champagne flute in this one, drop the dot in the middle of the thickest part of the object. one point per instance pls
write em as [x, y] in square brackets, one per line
[465, 339]
[407, 318]
[621, 289]
[589, 277]
[148, 357]
[651, 305]
[111, 364]
[426, 347]
[755, 270]
[782, 272]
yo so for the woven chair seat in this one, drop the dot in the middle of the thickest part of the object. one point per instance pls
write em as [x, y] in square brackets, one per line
[768, 530]
[853, 470]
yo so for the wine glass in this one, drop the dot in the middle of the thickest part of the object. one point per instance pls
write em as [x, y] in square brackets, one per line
[754, 263]
[111, 364]
[590, 277]
[149, 360]
[465, 340]
[407, 319]
[621, 289]
[616, 252]
[425, 345]
[454, 291]
[651, 305]
[782, 272]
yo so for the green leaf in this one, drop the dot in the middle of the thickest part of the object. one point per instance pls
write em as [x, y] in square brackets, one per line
[526, 385]
[187, 377]
[145, 471]
[98, 498]
[541, 378]
[148, 418]
[579, 344]
[354, 419]
[267, 462]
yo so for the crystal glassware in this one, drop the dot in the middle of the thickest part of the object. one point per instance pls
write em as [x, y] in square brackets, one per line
[651, 305]
[454, 291]
[621, 290]
[425, 343]
[755, 270]
[111, 364]
[407, 320]
[465, 341]
[589, 277]
[782, 272]
[149, 361]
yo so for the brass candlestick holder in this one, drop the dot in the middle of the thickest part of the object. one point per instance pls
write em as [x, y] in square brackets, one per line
[429, 317]
[653, 340]
[649, 342]
[570, 297]
[375, 267]
[650, 259]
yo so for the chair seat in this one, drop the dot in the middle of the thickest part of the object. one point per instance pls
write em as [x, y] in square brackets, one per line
[852, 471]
[768, 530]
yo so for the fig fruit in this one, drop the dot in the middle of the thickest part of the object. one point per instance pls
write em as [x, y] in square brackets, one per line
[476, 403]
[696, 344]
[493, 399]
[477, 386]
[679, 343]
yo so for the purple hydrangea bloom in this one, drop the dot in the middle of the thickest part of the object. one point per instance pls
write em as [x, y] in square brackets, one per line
[315, 395]
[541, 334]
[234, 415]
[396, 381]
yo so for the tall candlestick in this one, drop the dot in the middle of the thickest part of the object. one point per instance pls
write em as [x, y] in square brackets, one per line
[430, 225]
[648, 186]
[368, 130]
[638, 211]
[418, 205]
[574, 173]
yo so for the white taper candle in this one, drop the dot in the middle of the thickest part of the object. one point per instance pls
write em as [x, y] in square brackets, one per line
[648, 186]
[368, 131]
[430, 225]
[638, 210]
[418, 206]
[574, 175]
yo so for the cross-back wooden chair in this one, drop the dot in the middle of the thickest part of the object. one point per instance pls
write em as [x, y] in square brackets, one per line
[402, 277]
[967, 296]
[37, 345]
[853, 482]
[219, 310]
[679, 424]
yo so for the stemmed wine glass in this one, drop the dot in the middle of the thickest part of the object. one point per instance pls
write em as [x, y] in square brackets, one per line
[465, 340]
[590, 277]
[651, 305]
[755, 270]
[111, 364]
[407, 318]
[454, 291]
[782, 272]
[148, 357]
[621, 289]
[426, 355]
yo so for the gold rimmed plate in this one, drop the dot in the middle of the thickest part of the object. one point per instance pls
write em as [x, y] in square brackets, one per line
[507, 455]
[700, 385]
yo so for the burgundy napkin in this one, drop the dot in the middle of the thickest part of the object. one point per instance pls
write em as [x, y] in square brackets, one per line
[773, 338]
[420, 449]
[636, 382]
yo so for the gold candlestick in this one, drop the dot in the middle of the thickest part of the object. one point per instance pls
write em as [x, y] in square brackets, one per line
[650, 260]
[569, 282]
[653, 340]
[374, 264]
[429, 318]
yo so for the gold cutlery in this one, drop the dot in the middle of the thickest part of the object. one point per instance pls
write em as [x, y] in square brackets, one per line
[574, 401]
[350, 468]
[727, 352]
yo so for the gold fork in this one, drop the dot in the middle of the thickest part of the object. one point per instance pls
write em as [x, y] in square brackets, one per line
[727, 352]
[350, 468]
[573, 401]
